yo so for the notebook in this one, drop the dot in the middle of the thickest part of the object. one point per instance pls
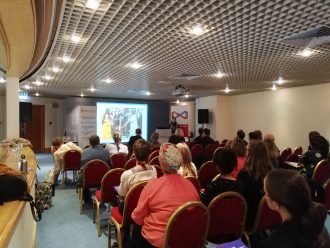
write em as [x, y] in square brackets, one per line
[233, 244]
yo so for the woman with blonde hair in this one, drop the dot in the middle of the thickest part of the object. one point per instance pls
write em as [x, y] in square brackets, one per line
[187, 167]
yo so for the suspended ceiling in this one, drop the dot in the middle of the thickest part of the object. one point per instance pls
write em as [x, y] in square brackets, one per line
[242, 39]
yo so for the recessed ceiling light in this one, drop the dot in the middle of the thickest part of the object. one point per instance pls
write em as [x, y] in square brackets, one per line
[38, 83]
[148, 93]
[274, 87]
[108, 80]
[93, 4]
[55, 68]
[2, 80]
[37, 94]
[75, 38]
[186, 95]
[219, 74]
[306, 52]
[280, 80]
[82, 95]
[227, 90]
[48, 77]
[27, 87]
[135, 65]
[177, 101]
[197, 30]
[66, 58]
[92, 89]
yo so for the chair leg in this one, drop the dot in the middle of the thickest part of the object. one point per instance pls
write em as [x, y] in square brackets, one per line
[81, 200]
[62, 183]
[109, 234]
[99, 233]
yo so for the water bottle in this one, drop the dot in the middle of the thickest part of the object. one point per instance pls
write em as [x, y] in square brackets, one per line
[23, 164]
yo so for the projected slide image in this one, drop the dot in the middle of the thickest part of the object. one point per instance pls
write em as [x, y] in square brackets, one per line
[122, 117]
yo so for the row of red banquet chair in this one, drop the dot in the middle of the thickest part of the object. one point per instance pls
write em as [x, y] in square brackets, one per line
[193, 224]
[96, 174]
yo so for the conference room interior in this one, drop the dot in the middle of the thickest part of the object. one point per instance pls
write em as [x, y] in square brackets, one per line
[250, 65]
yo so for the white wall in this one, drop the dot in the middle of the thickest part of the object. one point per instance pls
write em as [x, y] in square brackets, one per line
[53, 117]
[2, 117]
[287, 113]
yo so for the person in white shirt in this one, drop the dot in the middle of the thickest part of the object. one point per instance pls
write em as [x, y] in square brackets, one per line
[117, 147]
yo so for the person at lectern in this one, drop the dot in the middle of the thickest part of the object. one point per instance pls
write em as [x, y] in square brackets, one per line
[106, 127]
[173, 125]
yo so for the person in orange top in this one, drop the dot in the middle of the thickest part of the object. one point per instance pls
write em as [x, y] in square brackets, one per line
[160, 198]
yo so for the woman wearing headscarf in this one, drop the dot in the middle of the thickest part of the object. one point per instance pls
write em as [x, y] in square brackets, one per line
[160, 198]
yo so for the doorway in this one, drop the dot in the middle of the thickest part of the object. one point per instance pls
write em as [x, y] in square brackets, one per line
[34, 131]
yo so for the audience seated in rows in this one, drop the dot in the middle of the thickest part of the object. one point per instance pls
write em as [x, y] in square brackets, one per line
[226, 161]
[134, 138]
[258, 135]
[154, 140]
[177, 137]
[240, 136]
[310, 135]
[198, 139]
[117, 147]
[302, 220]
[187, 167]
[141, 172]
[319, 151]
[238, 146]
[272, 150]
[206, 139]
[94, 151]
[59, 153]
[256, 167]
[160, 198]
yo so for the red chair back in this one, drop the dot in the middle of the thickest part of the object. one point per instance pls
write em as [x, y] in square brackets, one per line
[285, 154]
[196, 151]
[187, 226]
[154, 161]
[71, 160]
[265, 217]
[293, 157]
[110, 179]
[130, 164]
[131, 201]
[94, 172]
[118, 160]
[227, 217]
[321, 172]
[209, 150]
[326, 187]
[219, 148]
[195, 182]
[154, 148]
[153, 155]
[298, 150]
[206, 173]
[159, 170]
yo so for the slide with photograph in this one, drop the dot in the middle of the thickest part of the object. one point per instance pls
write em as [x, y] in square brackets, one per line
[122, 117]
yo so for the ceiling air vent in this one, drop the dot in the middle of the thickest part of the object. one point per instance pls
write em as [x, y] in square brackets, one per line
[185, 76]
[311, 38]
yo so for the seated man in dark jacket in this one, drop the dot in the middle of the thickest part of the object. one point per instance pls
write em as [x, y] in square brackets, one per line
[206, 138]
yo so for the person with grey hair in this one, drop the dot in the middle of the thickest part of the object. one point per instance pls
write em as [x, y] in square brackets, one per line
[177, 137]
[160, 198]
[117, 146]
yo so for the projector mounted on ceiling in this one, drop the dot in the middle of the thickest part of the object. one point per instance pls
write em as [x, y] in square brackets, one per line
[180, 90]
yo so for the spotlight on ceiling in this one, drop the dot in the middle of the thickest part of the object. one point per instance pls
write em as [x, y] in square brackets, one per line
[186, 95]
[37, 94]
[66, 58]
[47, 77]
[75, 38]
[108, 80]
[306, 52]
[219, 74]
[227, 90]
[82, 95]
[177, 101]
[2, 80]
[93, 4]
[55, 68]
[280, 80]
[92, 89]
[27, 87]
[135, 65]
[148, 93]
[274, 87]
[38, 82]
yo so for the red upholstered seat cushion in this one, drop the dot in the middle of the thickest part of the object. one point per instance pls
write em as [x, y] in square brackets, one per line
[98, 195]
[116, 215]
